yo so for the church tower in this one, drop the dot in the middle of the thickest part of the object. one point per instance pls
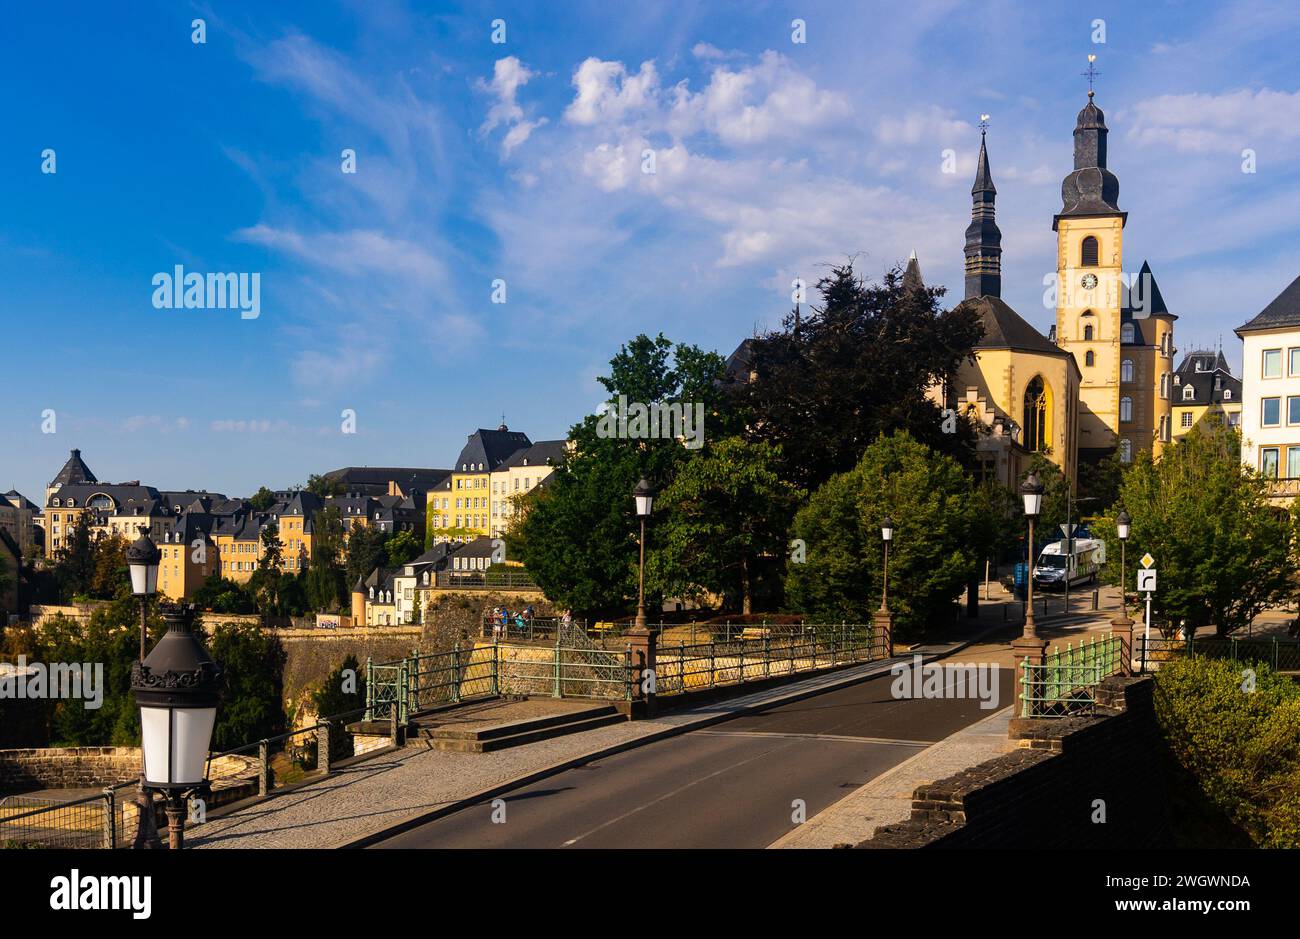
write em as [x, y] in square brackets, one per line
[1121, 334]
[983, 237]
[1089, 289]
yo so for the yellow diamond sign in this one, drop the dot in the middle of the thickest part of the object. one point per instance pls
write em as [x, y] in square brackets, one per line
[1148, 560]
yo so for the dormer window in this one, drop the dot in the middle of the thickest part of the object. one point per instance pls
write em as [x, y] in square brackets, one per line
[1227, 394]
[1189, 393]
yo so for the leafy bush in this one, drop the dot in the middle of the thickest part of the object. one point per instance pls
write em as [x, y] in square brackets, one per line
[1242, 746]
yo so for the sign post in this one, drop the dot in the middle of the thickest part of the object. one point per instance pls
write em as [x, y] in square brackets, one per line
[1146, 583]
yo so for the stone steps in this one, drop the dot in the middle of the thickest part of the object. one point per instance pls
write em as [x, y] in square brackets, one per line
[483, 739]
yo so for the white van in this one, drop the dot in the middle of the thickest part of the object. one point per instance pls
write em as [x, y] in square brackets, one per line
[1057, 562]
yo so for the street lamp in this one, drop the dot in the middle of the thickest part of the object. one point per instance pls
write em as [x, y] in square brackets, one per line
[1122, 523]
[1031, 490]
[644, 496]
[142, 558]
[177, 689]
[886, 535]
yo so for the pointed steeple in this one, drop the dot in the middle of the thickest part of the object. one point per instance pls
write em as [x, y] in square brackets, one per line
[983, 237]
[912, 274]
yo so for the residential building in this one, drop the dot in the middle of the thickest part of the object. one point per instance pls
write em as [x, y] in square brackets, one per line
[519, 475]
[1204, 387]
[18, 516]
[464, 500]
[1270, 406]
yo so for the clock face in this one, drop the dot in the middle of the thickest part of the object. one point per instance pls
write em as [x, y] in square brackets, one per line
[1088, 281]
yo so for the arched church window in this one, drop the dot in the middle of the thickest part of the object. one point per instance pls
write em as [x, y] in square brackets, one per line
[1087, 333]
[1126, 333]
[1089, 358]
[1125, 409]
[1036, 416]
[1126, 370]
[1126, 451]
[1088, 252]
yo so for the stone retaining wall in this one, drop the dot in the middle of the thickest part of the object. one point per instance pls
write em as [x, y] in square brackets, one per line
[1093, 781]
[67, 767]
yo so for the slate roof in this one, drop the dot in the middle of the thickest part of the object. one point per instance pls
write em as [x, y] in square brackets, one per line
[1209, 383]
[490, 448]
[1091, 189]
[1004, 328]
[739, 363]
[542, 453]
[18, 500]
[74, 471]
[374, 480]
[1283, 312]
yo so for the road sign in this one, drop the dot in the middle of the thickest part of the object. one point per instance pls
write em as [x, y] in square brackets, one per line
[1148, 560]
[1068, 530]
[1147, 580]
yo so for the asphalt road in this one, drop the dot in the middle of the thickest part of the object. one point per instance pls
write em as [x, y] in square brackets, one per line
[728, 786]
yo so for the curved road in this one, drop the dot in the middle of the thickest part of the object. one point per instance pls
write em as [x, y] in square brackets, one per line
[731, 785]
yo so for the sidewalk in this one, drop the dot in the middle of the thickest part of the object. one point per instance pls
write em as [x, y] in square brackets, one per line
[887, 799]
[413, 785]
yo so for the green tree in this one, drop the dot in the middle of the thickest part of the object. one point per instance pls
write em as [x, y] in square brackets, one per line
[75, 560]
[343, 692]
[366, 551]
[577, 534]
[110, 575]
[861, 364]
[726, 512]
[402, 547]
[325, 588]
[324, 487]
[220, 595]
[252, 703]
[261, 500]
[931, 556]
[1222, 551]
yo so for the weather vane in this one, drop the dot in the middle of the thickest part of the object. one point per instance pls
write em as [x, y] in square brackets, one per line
[1092, 73]
[984, 123]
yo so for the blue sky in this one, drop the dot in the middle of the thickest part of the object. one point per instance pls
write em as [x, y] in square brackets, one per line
[522, 161]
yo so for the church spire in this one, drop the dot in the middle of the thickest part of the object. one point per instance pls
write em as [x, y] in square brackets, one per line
[983, 237]
[1092, 189]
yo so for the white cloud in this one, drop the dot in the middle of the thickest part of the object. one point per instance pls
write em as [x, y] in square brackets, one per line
[508, 76]
[1203, 123]
[749, 105]
[607, 93]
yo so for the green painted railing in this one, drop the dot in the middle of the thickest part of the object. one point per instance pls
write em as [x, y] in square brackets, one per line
[1066, 683]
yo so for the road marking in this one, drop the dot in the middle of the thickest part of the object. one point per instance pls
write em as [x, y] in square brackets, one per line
[840, 737]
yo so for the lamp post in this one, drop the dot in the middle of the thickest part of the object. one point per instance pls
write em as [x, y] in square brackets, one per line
[644, 495]
[883, 621]
[1121, 626]
[177, 689]
[142, 559]
[1029, 645]
[886, 535]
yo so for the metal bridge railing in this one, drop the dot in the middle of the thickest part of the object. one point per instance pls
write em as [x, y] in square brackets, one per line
[1066, 683]
[763, 653]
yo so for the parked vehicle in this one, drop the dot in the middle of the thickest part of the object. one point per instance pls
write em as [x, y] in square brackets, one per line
[1077, 561]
